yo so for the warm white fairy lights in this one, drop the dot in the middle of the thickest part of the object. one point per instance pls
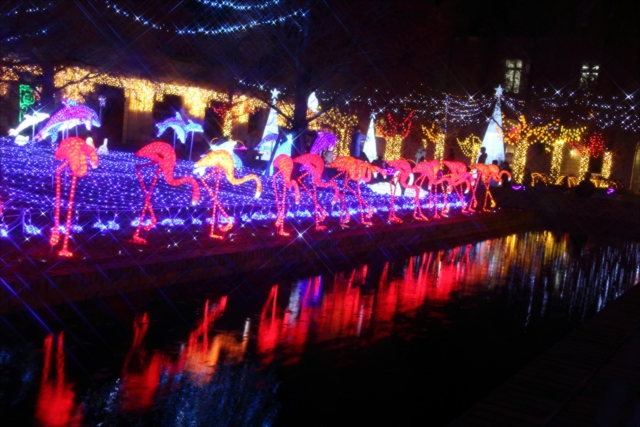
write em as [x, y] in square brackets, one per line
[470, 147]
[584, 165]
[607, 163]
[77, 83]
[343, 126]
[521, 134]
[566, 136]
[436, 135]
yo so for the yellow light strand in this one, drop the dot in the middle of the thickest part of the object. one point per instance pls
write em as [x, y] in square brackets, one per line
[522, 136]
[435, 135]
[584, 165]
[76, 83]
[556, 159]
[343, 126]
[607, 163]
[393, 149]
[470, 147]
[557, 148]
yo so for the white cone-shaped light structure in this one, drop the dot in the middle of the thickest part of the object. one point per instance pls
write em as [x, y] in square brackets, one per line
[370, 149]
[266, 147]
[493, 141]
[312, 103]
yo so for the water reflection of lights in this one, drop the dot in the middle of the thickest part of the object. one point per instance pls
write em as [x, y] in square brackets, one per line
[535, 272]
[56, 405]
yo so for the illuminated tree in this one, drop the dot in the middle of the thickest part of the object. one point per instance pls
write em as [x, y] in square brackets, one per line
[522, 135]
[394, 133]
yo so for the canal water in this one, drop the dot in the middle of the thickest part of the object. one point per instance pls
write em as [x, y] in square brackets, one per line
[413, 341]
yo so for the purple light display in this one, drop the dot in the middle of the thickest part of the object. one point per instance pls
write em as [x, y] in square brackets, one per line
[70, 116]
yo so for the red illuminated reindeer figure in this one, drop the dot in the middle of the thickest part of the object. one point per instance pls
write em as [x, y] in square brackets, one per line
[430, 170]
[75, 153]
[485, 174]
[459, 176]
[221, 164]
[313, 165]
[402, 177]
[355, 170]
[284, 164]
[163, 155]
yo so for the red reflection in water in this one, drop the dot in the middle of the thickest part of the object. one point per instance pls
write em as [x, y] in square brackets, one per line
[140, 372]
[200, 357]
[349, 311]
[55, 405]
[269, 328]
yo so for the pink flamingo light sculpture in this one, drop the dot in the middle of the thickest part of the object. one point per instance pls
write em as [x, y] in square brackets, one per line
[355, 170]
[163, 155]
[313, 166]
[430, 170]
[404, 172]
[221, 164]
[284, 164]
[75, 154]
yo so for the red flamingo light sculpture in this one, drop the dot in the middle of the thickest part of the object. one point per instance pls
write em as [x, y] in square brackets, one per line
[355, 170]
[75, 154]
[486, 174]
[221, 163]
[459, 176]
[313, 166]
[404, 172]
[284, 164]
[163, 155]
[430, 170]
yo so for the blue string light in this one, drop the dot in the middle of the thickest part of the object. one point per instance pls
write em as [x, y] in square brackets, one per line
[238, 6]
[205, 30]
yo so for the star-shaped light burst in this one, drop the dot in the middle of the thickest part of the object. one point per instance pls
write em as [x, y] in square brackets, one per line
[274, 95]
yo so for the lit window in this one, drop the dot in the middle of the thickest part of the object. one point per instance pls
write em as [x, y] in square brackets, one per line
[513, 75]
[589, 74]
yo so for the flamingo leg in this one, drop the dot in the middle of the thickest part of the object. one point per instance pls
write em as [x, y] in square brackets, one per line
[319, 214]
[213, 207]
[474, 198]
[392, 211]
[369, 213]
[343, 205]
[146, 208]
[489, 198]
[435, 201]
[67, 229]
[361, 204]
[445, 191]
[55, 234]
[460, 194]
[218, 205]
[281, 205]
[417, 210]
